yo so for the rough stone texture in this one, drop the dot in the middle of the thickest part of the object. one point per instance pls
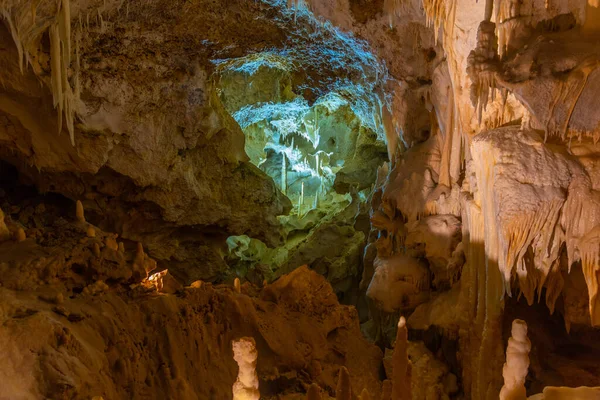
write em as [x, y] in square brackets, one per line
[156, 157]
[483, 127]
[79, 337]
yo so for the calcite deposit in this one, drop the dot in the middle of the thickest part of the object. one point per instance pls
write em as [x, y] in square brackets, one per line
[299, 199]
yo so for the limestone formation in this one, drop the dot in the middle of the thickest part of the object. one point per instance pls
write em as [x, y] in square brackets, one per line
[4, 232]
[517, 363]
[343, 390]
[20, 236]
[401, 378]
[246, 384]
[352, 162]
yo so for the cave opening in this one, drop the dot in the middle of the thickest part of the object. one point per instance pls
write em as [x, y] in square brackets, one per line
[322, 153]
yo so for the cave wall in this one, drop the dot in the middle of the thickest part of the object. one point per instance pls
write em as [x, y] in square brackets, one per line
[487, 210]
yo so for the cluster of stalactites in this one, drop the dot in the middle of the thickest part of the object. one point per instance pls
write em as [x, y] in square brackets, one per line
[541, 231]
[26, 28]
[435, 14]
[508, 19]
[482, 66]
[573, 223]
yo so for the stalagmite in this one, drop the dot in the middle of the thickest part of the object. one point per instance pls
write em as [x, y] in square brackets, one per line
[386, 390]
[401, 376]
[79, 211]
[343, 390]
[245, 354]
[96, 249]
[4, 232]
[111, 243]
[364, 395]
[314, 393]
[517, 363]
[90, 232]
[20, 236]
[236, 285]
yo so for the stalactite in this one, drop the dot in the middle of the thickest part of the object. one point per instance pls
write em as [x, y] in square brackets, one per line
[569, 92]
[297, 5]
[517, 363]
[283, 174]
[589, 250]
[435, 12]
[392, 8]
[520, 234]
[25, 31]
[301, 200]
[482, 66]
[483, 347]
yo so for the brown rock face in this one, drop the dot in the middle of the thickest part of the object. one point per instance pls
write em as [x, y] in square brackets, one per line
[121, 345]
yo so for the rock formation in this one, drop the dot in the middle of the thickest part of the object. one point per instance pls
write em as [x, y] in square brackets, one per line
[320, 178]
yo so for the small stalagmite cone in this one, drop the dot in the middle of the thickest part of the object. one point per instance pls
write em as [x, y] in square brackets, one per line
[237, 286]
[79, 211]
[401, 370]
[96, 249]
[91, 231]
[111, 243]
[139, 250]
[21, 235]
[4, 232]
[314, 393]
[344, 387]
[121, 247]
[386, 390]
[139, 256]
[364, 395]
